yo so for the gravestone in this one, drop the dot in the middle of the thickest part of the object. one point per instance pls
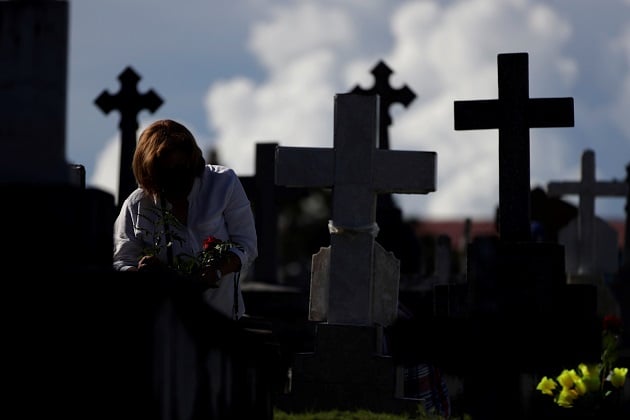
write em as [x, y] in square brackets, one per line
[591, 245]
[262, 191]
[129, 102]
[33, 170]
[394, 234]
[388, 97]
[516, 285]
[267, 198]
[265, 295]
[443, 260]
[513, 114]
[621, 283]
[347, 369]
[526, 279]
[33, 63]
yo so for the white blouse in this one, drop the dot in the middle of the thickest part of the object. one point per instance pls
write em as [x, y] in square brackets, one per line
[217, 206]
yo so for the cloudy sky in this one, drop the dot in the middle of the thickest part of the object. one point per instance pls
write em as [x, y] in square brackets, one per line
[242, 72]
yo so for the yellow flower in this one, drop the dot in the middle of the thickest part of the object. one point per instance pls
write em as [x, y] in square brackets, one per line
[585, 384]
[590, 376]
[567, 378]
[546, 385]
[566, 397]
[618, 376]
[580, 387]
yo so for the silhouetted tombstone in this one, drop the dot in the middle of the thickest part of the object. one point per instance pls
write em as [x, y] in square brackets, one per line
[388, 97]
[515, 286]
[591, 245]
[587, 254]
[261, 191]
[621, 282]
[33, 68]
[526, 281]
[129, 102]
[513, 114]
[267, 198]
[348, 368]
[394, 235]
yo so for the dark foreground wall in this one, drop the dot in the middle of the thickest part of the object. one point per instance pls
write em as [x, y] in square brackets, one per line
[80, 341]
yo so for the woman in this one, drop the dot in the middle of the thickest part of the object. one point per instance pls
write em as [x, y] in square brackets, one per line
[181, 202]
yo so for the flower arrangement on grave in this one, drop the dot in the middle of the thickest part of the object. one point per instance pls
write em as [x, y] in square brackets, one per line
[591, 385]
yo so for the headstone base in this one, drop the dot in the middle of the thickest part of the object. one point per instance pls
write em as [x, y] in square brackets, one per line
[347, 371]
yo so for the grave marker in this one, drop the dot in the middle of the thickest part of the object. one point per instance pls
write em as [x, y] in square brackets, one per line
[394, 235]
[356, 171]
[517, 283]
[388, 96]
[265, 197]
[348, 370]
[513, 114]
[129, 102]
[33, 84]
[588, 232]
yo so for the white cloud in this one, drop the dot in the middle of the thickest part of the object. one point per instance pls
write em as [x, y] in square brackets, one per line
[444, 51]
[105, 176]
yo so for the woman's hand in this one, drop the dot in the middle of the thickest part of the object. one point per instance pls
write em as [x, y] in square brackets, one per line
[151, 263]
[209, 276]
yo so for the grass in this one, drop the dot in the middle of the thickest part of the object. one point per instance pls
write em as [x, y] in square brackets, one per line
[356, 415]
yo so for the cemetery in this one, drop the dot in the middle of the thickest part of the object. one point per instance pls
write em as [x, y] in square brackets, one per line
[353, 308]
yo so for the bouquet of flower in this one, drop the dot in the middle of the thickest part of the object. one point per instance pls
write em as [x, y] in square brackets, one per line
[213, 251]
[590, 384]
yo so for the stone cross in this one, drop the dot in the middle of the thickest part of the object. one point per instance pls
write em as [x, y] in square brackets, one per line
[388, 95]
[587, 189]
[261, 191]
[513, 114]
[394, 235]
[129, 102]
[265, 195]
[357, 171]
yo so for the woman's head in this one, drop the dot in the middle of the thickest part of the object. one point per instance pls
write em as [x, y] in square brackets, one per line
[167, 159]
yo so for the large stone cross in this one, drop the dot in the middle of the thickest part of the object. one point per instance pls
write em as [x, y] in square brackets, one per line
[587, 189]
[129, 102]
[388, 96]
[357, 171]
[514, 113]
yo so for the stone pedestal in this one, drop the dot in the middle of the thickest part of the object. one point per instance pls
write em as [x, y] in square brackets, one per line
[347, 371]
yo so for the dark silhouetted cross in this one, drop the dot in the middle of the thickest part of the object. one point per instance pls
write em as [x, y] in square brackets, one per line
[129, 102]
[388, 96]
[514, 113]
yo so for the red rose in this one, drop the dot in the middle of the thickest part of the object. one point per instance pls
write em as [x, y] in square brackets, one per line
[612, 323]
[210, 243]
